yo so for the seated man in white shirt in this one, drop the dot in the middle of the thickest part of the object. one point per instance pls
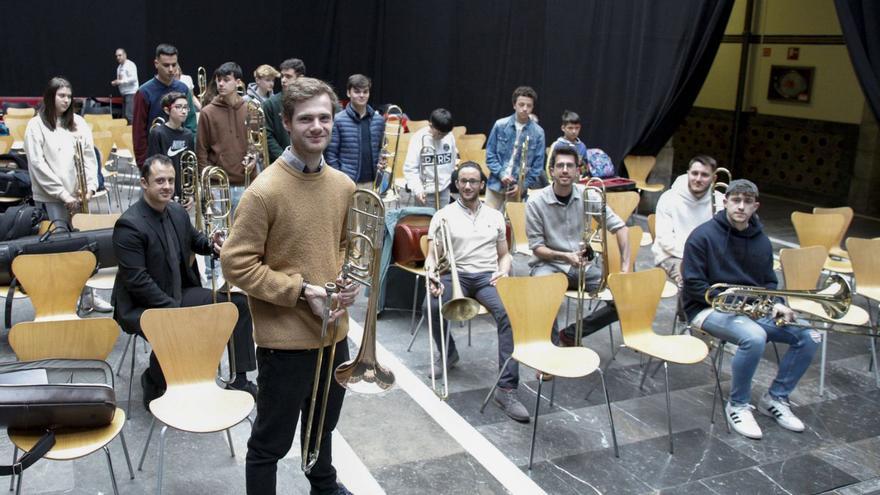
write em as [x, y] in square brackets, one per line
[418, 168]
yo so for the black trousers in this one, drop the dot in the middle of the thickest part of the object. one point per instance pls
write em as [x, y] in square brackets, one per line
[284, 390]
[242, 334]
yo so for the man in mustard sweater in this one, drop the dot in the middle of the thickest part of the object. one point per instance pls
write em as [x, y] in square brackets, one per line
[289, 240]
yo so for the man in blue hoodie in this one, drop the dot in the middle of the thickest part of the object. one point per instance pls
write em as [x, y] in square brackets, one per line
[732, 248]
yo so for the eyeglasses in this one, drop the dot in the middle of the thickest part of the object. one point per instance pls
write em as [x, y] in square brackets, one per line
[566, 165]
[180, 107]
[469, 182]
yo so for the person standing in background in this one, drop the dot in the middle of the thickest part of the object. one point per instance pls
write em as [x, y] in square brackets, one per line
[126, 81]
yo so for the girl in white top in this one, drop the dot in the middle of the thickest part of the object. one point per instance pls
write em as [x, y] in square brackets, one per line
[50, 142]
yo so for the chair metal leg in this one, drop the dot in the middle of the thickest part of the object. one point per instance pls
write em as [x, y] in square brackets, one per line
[535, 425]
[874, 361]
[18, 486]
[469, 333]
[607, 366]
[147, 444]
[718, 394]
[668, 405]
[161, 458]
[110, 468]
[124, 353]
[610, 339]
[131, 377]
[415, 334]
[494, 386]
[231, 447]
[12, 478]
[645, 373]
[125, 451]
[610, 416]
[412, 321]
[552, 392]
[822, 363]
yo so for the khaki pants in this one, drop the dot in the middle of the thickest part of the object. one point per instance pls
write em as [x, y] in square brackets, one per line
[494, 199]
[672, 267]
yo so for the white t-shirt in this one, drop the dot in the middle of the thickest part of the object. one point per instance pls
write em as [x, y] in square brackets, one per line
[475, 236]
[127, 72]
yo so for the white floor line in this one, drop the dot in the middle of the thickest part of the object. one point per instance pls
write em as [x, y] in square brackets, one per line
[351, 470]
[775, 240]
[495, 462]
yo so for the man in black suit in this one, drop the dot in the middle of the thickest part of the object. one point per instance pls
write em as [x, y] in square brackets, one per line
[154, 243]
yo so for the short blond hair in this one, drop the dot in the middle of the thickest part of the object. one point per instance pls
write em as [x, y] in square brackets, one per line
[302, 89]
[266, 71]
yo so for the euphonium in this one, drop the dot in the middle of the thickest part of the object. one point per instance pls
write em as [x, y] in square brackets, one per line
[190, 185]
[365, 232]
[82, 185]
[720, 187]
[256, 137]
[393, 129]
[594, 231]
[428, 161]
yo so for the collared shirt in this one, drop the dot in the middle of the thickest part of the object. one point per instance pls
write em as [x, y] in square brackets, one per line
[559, 226]
[294, 162]
[475, 235]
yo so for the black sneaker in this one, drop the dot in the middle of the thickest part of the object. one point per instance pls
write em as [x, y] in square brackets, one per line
[340, 490]
[151, 391]
[244, 385]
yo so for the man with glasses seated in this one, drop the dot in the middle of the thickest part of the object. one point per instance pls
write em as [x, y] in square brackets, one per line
[555, 228]
[732, 248]
[478, 236]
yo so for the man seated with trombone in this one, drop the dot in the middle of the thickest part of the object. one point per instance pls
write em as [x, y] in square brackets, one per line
[733, 249]
[288, 244]
[154, 242]
[560, 223]
[469, 241]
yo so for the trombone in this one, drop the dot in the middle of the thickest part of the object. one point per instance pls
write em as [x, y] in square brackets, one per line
[385, 173]
[428, 160]
[521, 176]
[79, 165]
[258, 146]
[157, 122]
[458, 308]
[719, 187]
[365, 231]
[595, 208]
[190, 185]
[202, 77]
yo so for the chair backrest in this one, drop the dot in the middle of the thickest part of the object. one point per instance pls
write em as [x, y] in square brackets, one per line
[814, 229]
[531, 304]
[17, 126]
[475, 154]
[516, 212]
[414, 125]
[863, 253]
[54, 281]
[127, 142]
[623, 203]
[639, 167]
[104, 143]
[634, 236]
[423, 245]
[86, 338]
[6, 143]
[94, 221]
[458, 131]
[847, 213]
[470, 141]
[189, 342]
[636, 295]
[92, 118]
[801, 267]
[118, 133]
[21, 112]
[652, 225]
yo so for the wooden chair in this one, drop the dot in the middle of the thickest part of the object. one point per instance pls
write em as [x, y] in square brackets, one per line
[104, 279]
[54, 282]
[531, 304]
[189, 343]
[815, 229]
[21, 112]
[802, 269]
[93, 118]
[639, 167]
[91, 338]
[477, 155]
[623, 204]
[636, 295]
[17, 126]
[459, 131]
[6, 144]
[847, 213]
[414, 125]
[104, 145]
[470, 141]
[866, 271]
[516, 213]
[652, 229]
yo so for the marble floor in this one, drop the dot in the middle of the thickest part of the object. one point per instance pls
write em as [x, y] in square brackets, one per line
[408, 441]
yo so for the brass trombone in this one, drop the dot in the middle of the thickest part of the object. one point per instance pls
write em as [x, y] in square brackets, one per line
[365, 232]
[595, 207]
[258, 146]
[521, 176]
[428, 161]
[82, 184]
[157, 122]
[202, 77]
[719, 187]
[757, 302]
[190, 185]
[385, 173]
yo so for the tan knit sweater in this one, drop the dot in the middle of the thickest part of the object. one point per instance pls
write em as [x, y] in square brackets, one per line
[289, 226]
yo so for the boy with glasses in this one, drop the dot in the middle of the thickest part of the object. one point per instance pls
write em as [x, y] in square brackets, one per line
[171, 138]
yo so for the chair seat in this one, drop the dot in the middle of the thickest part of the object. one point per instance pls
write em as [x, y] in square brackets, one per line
[10, 199]
[605, 295]
[647, 240]
[202, 407]
[855, 315]
[669, 290]
[872, 293]
[411, 269]
[644, 186]
[568, 362]
[838, 252]
[18, 294]
[838, 266]
[104, 279]
[72, 443]
[680, 349]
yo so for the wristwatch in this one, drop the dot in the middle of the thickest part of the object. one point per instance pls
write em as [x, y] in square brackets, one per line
[302, 291]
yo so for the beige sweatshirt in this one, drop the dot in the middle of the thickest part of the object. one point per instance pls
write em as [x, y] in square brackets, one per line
[50, 159]
[289, 226]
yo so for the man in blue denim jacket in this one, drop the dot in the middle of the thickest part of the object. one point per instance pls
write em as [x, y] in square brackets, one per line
[503, 150]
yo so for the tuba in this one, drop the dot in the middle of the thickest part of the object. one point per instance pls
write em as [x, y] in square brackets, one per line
[365, 232]
[258, 146]
[82, 185]
[594, 231]
[428, 161]
[719, 187]
[388, 154]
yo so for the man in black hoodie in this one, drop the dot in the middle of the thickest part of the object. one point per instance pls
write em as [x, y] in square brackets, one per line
[732, 248]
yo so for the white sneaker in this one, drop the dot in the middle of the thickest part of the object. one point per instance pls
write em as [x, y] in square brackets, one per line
[780, 410]
[92, 302]
[742, 421]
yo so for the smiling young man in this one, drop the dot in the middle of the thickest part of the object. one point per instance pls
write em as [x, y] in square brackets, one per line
[277, 138]
[686, 205]
[732, 248]
[504, 150]
[357, 135]
[148, 100]
[288, 242]
[555, 228]
[154, 241]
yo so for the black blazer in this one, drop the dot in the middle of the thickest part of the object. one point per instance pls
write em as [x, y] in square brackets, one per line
[144, 277]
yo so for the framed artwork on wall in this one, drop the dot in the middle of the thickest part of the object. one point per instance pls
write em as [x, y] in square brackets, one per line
[792, 84]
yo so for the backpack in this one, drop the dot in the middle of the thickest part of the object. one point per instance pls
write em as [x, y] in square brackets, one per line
[600, 163]
[19, 221]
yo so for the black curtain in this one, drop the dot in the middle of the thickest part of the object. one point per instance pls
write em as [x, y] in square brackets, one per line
[860, 21]
[631, 68]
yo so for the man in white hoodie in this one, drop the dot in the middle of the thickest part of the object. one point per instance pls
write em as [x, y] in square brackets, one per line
[680, 210]
[419, 169]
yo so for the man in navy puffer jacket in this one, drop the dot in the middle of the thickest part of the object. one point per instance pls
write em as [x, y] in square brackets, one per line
[357, 135]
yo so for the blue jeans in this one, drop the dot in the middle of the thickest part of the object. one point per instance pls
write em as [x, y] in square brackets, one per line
[751, 336]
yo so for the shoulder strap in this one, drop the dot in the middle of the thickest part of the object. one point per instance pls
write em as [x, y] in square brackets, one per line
[43, 445]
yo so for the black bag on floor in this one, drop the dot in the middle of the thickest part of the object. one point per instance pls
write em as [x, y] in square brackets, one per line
[19, 221]
[49, 394]
[15, 183]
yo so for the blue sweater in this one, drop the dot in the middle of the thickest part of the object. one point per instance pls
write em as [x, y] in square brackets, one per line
[717, 252]
[345, 144]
